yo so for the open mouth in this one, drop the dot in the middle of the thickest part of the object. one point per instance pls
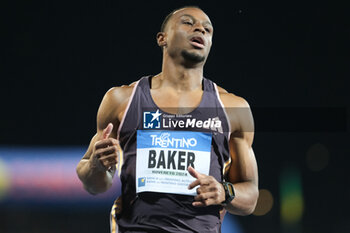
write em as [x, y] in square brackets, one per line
[197, 42]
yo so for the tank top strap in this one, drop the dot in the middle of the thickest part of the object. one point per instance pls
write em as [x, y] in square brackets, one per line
[208, 85]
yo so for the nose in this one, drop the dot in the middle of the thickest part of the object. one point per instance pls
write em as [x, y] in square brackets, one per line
[198, 27]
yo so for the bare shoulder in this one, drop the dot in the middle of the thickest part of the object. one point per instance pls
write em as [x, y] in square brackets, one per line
[120, 94]
[238, 112]
[231, 100]
[114, 104]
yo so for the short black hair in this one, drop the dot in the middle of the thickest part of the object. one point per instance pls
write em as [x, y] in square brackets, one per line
[167, 18]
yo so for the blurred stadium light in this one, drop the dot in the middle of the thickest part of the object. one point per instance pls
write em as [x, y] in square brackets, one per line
[45, 177]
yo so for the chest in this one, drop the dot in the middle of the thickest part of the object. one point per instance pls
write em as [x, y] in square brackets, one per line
[177, 102]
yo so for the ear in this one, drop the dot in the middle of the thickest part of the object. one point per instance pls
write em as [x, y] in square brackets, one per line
[161, 39]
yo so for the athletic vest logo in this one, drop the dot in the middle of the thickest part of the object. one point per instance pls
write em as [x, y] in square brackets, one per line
[151, 120]
[158, 120]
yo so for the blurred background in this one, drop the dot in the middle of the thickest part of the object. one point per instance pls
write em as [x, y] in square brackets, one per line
[289, 60]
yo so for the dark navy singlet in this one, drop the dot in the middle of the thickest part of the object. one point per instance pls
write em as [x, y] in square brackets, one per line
[163, 212]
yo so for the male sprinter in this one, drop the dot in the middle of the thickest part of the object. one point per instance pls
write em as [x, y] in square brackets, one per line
[182, 144]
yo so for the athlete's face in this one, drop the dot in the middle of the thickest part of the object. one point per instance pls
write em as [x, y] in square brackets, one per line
[188, 34]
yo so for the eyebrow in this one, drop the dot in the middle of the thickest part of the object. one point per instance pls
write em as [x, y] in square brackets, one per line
[190, 16]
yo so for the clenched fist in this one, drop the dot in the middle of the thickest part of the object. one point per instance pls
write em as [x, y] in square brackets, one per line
[105, 151]
[210, 191]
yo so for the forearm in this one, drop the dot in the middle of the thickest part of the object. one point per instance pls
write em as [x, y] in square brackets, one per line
[246, 196]
[95, 181]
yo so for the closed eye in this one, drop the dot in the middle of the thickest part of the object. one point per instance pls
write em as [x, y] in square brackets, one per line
[188, 22]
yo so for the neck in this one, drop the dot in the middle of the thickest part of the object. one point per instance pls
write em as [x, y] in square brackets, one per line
[179, 77]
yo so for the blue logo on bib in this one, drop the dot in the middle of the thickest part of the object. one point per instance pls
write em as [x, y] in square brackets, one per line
[142, 181]
[151, 120]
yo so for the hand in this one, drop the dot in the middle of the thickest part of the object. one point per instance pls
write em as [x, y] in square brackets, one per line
[105, 151]
[210, 191]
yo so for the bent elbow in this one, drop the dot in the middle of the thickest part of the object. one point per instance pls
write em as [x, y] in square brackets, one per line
[96, 189]
[92, 191]
[251, 207]
[249, 210]
[255, 198]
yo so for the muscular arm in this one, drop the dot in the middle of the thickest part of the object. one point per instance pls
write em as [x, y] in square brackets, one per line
[243, 171]
[97, 167]
[243, 174]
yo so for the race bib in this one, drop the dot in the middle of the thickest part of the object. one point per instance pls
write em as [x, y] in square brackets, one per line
[163, 157]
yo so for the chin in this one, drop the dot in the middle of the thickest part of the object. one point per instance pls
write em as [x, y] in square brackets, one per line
[192, 56]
